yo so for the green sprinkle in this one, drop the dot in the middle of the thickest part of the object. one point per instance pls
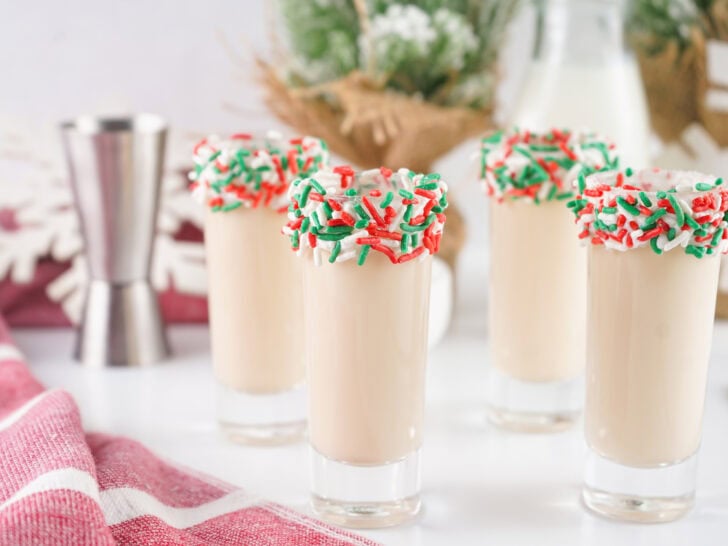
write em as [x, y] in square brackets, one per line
[609, 210]
[335, 252]
[429, 186]
[318, 187]
[305, 224]
[671, 234]
[361, 224]
[626, 206]
[653, 244]
[691, 222]
[363, 254]
[304, 196]
[495, 138]
[582, 183]
[655, 216]
[717, 236]
[702, 186]
[695, 251]
[414, 240]
[679, 214]
[231, 206]
[339, 229]
[552, 192]
[403, 243]
[407, 213]
[295, 239]
[330, 236]
[406, 194]
[628, 171]
[315, 219]
[387, 200]
[351, 192]
[645, 200]
[561, 196]
[361, 212]
[327, 209]
[661, 195]
[718, 182]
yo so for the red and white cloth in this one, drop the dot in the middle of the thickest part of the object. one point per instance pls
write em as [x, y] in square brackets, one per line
[61, 486]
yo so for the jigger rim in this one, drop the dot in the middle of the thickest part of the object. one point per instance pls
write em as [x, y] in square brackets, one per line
[142, 123]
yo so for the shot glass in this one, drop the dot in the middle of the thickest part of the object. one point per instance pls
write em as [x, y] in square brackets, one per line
[537, 282]
[366, 243]
[253, 282]
[656, 238]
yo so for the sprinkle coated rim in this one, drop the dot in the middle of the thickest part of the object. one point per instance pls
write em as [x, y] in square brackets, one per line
[339, 214]
[247, 171]
[664, 209]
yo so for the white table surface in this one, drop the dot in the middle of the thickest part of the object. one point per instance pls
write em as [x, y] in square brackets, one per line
[481, 485]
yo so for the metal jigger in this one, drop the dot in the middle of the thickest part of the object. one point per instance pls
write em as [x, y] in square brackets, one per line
[115, 166]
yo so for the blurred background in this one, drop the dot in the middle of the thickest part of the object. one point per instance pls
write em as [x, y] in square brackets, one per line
[331, 67]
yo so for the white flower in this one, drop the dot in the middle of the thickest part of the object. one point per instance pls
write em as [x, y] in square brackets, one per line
[457, 38]
[400, 33]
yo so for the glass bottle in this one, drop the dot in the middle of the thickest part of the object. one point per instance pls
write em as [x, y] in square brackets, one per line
[582, 76]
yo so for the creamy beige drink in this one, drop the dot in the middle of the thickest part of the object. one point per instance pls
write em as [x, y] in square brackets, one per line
[656, 238]
[254, 294]
[537, 282]
[647, 367]
[366, 242]
[537, 296]
[366, 370]
[255, 346]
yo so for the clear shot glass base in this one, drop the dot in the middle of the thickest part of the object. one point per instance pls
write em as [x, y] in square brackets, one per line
[644, 495]
[262, 419]
[535, 407]
[365, 496]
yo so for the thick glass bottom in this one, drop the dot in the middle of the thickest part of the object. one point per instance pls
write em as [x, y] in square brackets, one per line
[538, 407]
[262, 419]
[365, 496]
[645, 495]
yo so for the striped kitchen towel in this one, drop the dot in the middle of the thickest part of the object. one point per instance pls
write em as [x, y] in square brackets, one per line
[60, 486]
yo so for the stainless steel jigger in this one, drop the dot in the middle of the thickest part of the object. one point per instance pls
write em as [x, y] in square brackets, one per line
[115, 166]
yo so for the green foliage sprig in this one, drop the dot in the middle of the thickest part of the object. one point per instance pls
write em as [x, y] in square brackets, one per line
[442, 50]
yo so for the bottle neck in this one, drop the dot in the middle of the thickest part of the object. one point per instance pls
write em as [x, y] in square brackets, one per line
[585, 32]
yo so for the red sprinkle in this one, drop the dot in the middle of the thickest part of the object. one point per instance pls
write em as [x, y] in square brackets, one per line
[368, 241]
[386, 251]
[411, 256]
[373, 211]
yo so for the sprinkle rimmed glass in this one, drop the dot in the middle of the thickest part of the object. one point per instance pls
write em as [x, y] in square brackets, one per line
[252, 283]
[656, 237]
[366, 242]
[537, 281]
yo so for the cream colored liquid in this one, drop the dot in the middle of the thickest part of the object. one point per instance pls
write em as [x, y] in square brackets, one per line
[366, 354]
[649, 335]
[255, 301]
[537, 292]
